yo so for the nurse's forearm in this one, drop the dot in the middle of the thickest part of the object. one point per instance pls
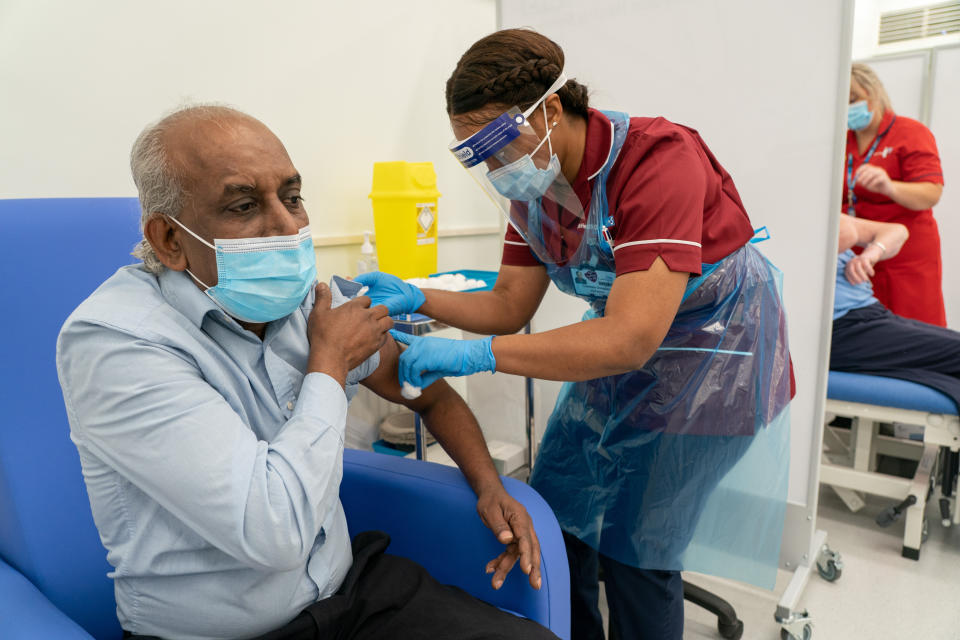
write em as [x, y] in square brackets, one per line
[506, 309]
[917, 196]
[486, 312]
[581, 351]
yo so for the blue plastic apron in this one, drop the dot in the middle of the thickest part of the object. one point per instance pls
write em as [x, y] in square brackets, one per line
[682, 464]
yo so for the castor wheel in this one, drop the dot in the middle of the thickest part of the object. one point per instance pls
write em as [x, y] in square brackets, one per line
[806, 634]
[831, 572]
[730, 631]
[829, 564]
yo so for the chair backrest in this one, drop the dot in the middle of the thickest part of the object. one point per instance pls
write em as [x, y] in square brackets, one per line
[55, 252]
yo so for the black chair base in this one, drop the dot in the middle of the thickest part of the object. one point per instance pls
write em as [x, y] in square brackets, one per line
[729, 626]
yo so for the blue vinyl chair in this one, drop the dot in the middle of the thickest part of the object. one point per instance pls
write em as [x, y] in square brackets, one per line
[53, 569]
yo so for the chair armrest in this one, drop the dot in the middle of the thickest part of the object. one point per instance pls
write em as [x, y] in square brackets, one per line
[27, 614]
[430, 513]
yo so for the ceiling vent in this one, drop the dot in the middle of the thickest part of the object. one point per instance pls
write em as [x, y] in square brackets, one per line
[921, 22]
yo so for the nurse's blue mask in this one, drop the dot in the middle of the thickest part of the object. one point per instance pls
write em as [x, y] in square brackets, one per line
[522, 179]
[858, 116]
[261, 279]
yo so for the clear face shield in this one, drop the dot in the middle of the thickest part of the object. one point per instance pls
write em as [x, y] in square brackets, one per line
[519, 171]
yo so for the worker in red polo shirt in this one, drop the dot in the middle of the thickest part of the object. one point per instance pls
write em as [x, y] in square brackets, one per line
[893, 174]
[668, 448]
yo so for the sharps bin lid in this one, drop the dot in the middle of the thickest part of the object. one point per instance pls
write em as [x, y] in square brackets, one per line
[401, 179]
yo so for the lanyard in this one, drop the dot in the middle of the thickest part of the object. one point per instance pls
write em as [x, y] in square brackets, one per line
[851, 180]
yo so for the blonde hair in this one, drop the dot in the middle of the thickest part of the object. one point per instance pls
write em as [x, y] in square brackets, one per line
[867, 78]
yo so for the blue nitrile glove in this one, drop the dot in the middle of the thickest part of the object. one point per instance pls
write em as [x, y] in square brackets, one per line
[426, 360]
[392, 292]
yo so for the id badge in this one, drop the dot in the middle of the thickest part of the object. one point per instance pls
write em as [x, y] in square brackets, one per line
[590, 282]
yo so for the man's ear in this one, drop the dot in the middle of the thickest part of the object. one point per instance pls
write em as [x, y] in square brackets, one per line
[164, 237]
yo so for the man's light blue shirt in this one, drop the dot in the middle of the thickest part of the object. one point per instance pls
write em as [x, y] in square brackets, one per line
[848, 296]
[212, 463]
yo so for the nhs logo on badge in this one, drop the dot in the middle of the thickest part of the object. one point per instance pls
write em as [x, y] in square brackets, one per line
[463, 154]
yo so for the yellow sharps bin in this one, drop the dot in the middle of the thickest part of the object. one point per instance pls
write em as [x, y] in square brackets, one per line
[404, 200]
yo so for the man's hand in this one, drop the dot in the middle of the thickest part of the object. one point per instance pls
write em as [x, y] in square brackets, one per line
[860, 268]
[392, 292]
[342, 338]
[511, 523]
[874, 178]
[451, 422]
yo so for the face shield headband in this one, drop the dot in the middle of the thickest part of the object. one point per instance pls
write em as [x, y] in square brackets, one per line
[499, 133]
[510, 161]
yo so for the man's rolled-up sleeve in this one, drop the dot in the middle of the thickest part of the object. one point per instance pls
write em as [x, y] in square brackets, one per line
[146, 411]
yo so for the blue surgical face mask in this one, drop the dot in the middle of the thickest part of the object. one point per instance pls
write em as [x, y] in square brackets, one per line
[261, 279]
[858, 116]
[522, 179]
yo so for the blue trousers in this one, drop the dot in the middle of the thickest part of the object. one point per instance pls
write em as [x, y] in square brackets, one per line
[645, 604]
[874, 341]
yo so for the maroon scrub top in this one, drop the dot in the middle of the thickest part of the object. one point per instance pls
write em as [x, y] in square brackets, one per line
[668, 195]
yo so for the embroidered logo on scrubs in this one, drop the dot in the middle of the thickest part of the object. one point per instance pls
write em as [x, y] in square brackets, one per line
[591, 282]
[886, 151]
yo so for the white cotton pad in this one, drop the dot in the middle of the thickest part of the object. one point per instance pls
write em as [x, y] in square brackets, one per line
[447, 282]
[409, 391]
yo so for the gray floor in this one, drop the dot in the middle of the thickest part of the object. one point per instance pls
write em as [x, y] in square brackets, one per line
[879, 596]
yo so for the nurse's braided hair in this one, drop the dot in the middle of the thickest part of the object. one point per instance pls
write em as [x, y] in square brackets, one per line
[511, 67]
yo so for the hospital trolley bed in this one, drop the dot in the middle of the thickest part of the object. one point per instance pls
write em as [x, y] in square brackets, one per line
[850, 458]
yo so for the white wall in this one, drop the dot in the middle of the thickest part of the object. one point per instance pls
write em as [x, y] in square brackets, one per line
[866, 24]
[945, 124]
[342, 84]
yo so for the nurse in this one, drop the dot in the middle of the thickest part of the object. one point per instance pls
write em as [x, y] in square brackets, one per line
[893, 175]
[667, 449]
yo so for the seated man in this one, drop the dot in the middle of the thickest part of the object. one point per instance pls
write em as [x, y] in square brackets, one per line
[867, 337]
[207, 394]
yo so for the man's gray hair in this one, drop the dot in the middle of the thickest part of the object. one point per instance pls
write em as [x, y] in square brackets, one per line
[159, 184]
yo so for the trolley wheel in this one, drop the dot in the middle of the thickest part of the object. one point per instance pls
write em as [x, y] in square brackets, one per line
[829, 566]
[807, 634]
[731, 631]
[831, 572]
